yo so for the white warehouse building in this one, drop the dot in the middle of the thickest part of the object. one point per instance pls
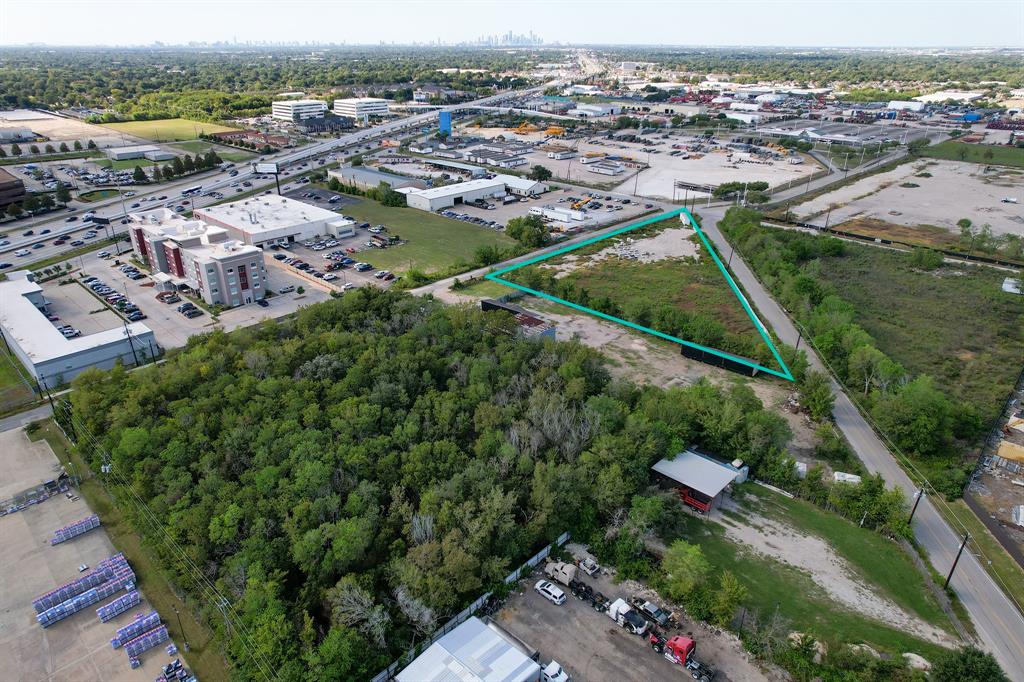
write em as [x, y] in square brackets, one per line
[361, 108]
[271, 219]
[438, 198]
[298, 109]
[51, 358]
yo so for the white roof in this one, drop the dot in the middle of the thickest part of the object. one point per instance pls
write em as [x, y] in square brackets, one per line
[517, 182]
[697, 471]
[459, 188]
[300, 102]
[26, 325]
[361, 100]
[136, 149]
[472, 652]
[265, 212]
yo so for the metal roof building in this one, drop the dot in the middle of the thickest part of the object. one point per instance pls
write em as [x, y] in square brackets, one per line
[700, 478]
[472, 652]
[438, 198]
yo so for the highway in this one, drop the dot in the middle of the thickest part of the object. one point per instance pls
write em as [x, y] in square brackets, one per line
[998, 622]
[148, 195]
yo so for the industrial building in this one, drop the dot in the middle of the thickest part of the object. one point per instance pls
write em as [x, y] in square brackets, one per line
[497, 159]
[298, 109]
[361, 108]
[605, 167]
[906, 106]
[594, 110]
[143, 151]
[12, 189]
[324, 124]
[522, 187]
[189, 254]
[474, 651]
[699, 480]
[270, 219]
[51, 358]
[369, 178]
[439, 198]
[471, 171]
[8, 135]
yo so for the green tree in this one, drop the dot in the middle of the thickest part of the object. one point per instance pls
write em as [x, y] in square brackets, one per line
[14, 210]
[966, 665]
[168, 172]
[916, 146]
[188, 164]
[684, 567]
[46, 201]
[63, 194]
[50, 149]
[816, 395]
[988, 154]
[15, 150]
[157, 173]
[728, 597]
[78, 146]
[33, 149]
[91, 145]
[539, 173]
[919, 417]
[139, 175]
[64, 147]
[178, 165]
[3, 153]
[31, 204]
[530, 231]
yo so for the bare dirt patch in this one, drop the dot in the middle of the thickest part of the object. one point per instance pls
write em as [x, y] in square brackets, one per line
[829, 571]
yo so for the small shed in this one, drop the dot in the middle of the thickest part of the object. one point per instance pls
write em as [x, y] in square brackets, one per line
[699, 479]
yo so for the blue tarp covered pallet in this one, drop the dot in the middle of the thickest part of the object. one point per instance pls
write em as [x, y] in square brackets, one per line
[141, 624]
[103, 572]
[118, 606]
[146, 641]
[124, 579]
[75, 529]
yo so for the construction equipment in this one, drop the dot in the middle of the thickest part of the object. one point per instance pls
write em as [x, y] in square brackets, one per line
[555, 131]
[525, 128]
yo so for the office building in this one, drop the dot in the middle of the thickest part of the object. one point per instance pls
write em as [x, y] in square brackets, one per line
[269, 219]
[12, 189]
[51, 358]
[361, 108]
[189, 254]
[298, 109]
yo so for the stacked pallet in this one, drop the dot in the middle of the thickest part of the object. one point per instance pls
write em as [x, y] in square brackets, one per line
[75, 529]
[118, 606]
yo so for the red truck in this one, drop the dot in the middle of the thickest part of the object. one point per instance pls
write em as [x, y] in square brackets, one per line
[680, 650]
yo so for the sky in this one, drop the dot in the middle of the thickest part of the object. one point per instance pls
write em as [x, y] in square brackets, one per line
[816, 23]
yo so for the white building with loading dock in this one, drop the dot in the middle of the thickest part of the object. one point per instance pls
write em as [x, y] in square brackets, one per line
[268, 219]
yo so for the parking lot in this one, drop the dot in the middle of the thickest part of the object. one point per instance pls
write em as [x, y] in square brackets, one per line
[591, 646]
[172, 329]
[77, 307]
[78, 647]
[321, 198]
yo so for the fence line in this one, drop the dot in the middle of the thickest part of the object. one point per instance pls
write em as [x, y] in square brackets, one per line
[389, 672]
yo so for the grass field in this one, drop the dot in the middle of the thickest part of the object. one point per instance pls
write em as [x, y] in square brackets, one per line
[877, 560]
[774, 585]
[678, 294]
[434, 243]
[13, 391]
[954, 323]
[484, 289]
[167, 130]
[194, 147]
[97, 195]
[951, 150]
[203, 657]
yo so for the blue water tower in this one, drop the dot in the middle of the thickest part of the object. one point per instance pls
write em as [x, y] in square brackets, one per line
[444, 122]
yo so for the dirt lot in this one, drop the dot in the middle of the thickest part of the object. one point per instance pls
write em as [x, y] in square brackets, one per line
[77, 648]
[502, 213]
[592, 648]
[69, 129]
[955, 190]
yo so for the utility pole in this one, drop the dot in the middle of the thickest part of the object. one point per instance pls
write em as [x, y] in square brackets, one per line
[917, 500]
[963, 544]
[180, 629]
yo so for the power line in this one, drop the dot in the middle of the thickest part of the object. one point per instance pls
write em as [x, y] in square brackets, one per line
[200, 580]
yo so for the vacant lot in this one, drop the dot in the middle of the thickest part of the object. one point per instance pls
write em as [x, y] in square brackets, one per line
[194, 147]
[659, 276]
[954, 323]
[824, 575]
[166, 130]
[978, 153]
[928, 196]
[433, 243]
[14, 388]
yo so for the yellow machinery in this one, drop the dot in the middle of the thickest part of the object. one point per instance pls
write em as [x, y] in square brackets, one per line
[555, 131]
[525, 128]
[581, 203]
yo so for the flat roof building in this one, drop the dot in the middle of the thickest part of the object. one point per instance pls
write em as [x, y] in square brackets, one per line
[142, 151]
[188, 253]
[467, 192]
[50, 357]
[298, 109]
[271, 219]
[361, 108]
[369, 178]
[474, 651]
[12, 188]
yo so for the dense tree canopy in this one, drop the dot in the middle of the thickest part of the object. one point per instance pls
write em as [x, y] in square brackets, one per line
[350, 476]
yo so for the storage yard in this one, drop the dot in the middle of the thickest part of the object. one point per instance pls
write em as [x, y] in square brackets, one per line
[61, 129]
[77, 646]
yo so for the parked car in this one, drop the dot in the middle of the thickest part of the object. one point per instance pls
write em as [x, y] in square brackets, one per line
[286, 289]
[550, 592]
[187, 305]
[262, 302]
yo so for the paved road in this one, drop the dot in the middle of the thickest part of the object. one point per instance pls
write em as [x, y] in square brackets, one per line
[16, 421]
[147, 195]
[1000, 625]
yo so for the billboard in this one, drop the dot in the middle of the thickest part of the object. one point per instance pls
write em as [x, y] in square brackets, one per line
[261, 168]
[444, 122]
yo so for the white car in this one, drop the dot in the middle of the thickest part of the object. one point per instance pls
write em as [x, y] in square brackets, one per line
[286, 289]
[550, 592]
[22, 252]
[348, 286]
[555, 673]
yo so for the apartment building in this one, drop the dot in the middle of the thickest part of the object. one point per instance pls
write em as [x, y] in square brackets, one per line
[185, 253]
[298, 109]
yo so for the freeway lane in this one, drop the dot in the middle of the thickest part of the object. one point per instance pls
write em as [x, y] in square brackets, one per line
[112, 208]
[1000, 625]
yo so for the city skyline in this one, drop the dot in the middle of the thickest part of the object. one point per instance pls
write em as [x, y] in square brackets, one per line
[847, 24]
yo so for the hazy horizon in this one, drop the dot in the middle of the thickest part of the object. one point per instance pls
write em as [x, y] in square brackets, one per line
[865, 24]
